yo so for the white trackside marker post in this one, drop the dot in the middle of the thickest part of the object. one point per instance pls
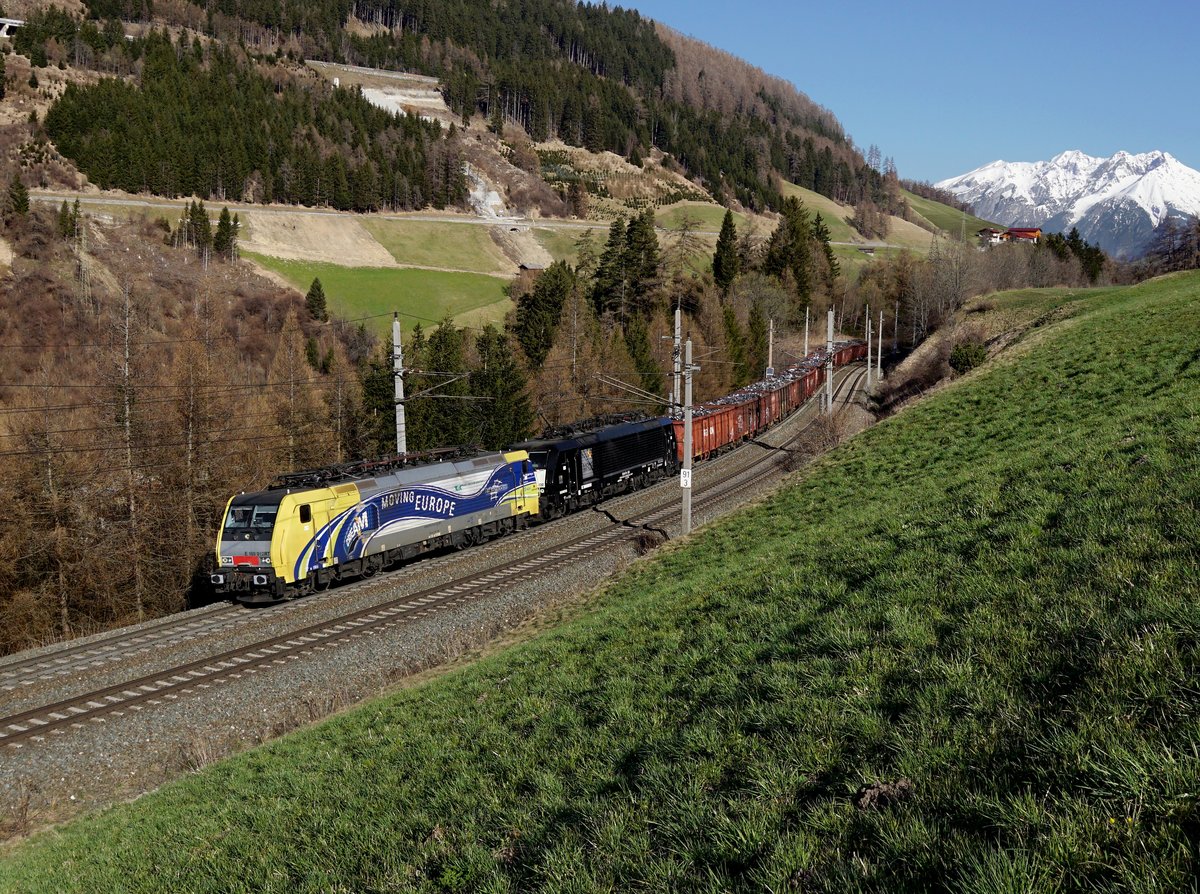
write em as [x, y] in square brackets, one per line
[771, 349]
[398, 368]
[806, 332]
[868, 347]
[879, 351]
[675, 359]
[685, 474]
[829, 367]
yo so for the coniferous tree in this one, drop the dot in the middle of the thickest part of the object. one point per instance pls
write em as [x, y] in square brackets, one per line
[611, 280]
[378, 400]
[65, 229]
[821, 235]
[200, 226]
[637, 340]
[223, 240]
[726, 265]
[315, 301]
[539, 310]
[735, 347]
[505, 414]
[18, 195]
[452, 422]
[789, 249]
[757, 336]
[641, 263]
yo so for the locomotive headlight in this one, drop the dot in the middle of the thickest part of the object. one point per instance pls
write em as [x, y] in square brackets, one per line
[226, 560]
[265, 560]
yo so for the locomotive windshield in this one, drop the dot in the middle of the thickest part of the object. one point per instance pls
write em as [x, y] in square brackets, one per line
[252, 521]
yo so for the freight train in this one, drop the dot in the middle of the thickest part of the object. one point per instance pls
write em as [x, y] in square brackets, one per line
[311, 528]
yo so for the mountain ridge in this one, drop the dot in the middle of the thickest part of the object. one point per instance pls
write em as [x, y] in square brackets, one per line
[1117, 202]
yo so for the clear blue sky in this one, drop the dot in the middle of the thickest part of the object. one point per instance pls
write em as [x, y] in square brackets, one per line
[945, 87]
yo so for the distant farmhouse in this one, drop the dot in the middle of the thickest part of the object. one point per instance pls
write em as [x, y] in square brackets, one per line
[991, 236]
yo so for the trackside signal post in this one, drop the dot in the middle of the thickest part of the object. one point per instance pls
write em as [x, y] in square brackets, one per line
[676, 361]
[685, 473]
[879, 350]
[829, 367]
[398, 369]
[771, 349]
[868, 347]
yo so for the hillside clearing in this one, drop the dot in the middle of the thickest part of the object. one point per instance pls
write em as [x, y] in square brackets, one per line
[326, 238]
[443, 245]
[371, 294]
[833, 214]
[947, 219]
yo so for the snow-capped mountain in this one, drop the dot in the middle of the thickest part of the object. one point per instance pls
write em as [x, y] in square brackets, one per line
[1114, 202]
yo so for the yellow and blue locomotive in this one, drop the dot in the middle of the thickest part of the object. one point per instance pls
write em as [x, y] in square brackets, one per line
[311, 528]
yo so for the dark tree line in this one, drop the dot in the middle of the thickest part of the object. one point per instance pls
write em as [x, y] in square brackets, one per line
[202, 122]
[462, 387]
[1174, 246]
[595, 76]
[1091, 257]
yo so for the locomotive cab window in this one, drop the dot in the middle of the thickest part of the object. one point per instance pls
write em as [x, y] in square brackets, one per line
[305, 514]
[250, 522]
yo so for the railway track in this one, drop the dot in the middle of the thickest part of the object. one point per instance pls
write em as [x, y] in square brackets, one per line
[186, 679]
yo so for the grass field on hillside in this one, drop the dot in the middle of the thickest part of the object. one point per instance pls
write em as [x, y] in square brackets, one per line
[946, 218]
[708, 217]
[421, 296]
[456, 246]
[561, 242]
[958, 654]
[833, 214]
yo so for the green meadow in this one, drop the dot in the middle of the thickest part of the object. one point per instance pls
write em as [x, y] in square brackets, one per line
[421, 296]
[450, 245]
[561, 242]
[951, 220]
[833, 214]
[959, 653]
[706, 217]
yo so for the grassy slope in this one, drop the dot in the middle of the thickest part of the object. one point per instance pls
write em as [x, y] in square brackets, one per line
[428, 244]
[993, 595]
[708, 217]
[833, 214]
[421, 296]
[946, 218]
[561, 242]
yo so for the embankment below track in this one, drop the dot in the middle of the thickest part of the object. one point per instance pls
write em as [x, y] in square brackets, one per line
[958, 653]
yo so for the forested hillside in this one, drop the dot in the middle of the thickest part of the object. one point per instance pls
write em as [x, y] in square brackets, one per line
[592, 76]
[204, 123]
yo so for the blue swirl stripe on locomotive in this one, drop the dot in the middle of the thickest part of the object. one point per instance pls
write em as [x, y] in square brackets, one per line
[353, 529]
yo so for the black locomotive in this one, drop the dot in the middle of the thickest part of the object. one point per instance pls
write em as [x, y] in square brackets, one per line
[591, 461]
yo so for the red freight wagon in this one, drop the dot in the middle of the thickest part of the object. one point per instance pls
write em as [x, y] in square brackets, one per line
[745, 413]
